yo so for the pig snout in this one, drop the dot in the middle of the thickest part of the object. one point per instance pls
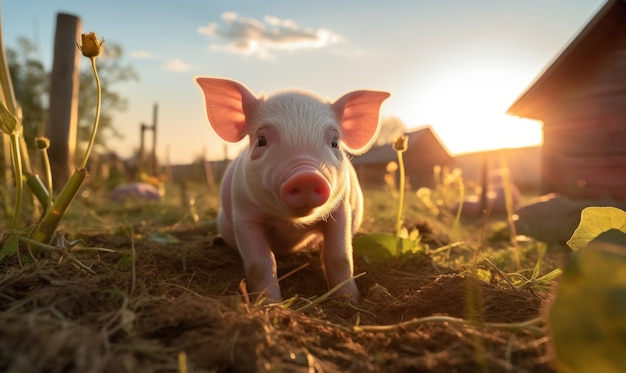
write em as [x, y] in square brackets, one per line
[304, 190]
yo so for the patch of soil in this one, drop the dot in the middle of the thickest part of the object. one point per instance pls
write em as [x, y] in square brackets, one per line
[158, 307]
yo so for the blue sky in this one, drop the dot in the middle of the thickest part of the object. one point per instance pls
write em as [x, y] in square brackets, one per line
[454, 64]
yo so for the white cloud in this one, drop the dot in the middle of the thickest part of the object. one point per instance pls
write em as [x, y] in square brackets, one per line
[142, 54]
[256, 38]
[176, 65]
[275, 21]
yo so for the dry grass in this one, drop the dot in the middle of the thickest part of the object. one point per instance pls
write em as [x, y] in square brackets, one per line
[176, 306]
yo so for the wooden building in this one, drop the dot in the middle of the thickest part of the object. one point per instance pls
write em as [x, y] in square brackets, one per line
[522, 163]
[424, 151]
[581, 99]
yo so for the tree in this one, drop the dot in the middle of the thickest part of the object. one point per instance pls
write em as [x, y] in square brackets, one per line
[31, 83]
[390, 128]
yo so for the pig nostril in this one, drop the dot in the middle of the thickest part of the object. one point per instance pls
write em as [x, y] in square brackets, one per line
[298, 191]
[305, 190]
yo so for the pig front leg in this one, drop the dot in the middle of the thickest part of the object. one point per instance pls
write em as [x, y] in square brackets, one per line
[258, 260]
[337, 252]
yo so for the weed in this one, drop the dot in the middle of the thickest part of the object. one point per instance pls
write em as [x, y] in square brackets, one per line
[400, 146]
[44, 231]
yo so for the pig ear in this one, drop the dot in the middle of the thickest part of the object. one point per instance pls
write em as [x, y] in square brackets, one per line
[358, 112]
[227, 103]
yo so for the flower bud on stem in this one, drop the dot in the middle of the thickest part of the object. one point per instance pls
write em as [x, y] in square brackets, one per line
[91, 48]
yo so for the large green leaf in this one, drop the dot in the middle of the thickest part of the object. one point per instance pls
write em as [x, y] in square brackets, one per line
[381, 246]
[593, 222]
[588, 316]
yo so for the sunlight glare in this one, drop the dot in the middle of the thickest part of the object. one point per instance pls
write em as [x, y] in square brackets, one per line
[468, 111]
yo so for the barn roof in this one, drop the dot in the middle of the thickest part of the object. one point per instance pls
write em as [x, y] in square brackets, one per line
[585, 53]
[386, 153]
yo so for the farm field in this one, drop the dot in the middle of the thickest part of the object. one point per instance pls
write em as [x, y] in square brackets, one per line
[166, 297]
[109, 269]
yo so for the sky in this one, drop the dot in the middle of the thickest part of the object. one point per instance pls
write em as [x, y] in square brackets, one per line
[455, 65]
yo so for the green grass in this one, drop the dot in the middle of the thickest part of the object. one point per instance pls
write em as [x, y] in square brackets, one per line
[476, 239]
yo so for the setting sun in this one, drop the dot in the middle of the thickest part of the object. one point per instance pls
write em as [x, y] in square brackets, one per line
[467, 110]
[488, 132]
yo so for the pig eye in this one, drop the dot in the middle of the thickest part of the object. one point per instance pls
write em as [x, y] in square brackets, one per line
[261, 141]
[335, 142]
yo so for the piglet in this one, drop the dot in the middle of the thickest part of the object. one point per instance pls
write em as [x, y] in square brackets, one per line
[293, 187]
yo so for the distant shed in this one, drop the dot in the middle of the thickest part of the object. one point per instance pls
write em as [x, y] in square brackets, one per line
[581, 99]
[424, 151]
[523, 165]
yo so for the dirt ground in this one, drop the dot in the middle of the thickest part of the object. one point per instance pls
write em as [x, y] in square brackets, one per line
[177, 306]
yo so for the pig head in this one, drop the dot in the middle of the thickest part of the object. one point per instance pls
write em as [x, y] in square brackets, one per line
[293, 186]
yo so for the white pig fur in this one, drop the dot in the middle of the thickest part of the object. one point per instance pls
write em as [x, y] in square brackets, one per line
[295, 138]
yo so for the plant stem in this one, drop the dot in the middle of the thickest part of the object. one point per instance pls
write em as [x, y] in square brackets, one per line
[459, 210]
[328, 293]
[508, 200]
[17, 142]
[48, 171]
[36, 186]
[400, 217]
[97, 116]
[532, 325]
[48, 225]
[19, 180]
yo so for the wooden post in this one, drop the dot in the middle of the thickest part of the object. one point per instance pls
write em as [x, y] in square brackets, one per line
[63, 111]
[140, 156]
[155, 166]
[150, 165]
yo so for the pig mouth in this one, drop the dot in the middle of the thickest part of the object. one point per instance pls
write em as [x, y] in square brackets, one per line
[303, 211]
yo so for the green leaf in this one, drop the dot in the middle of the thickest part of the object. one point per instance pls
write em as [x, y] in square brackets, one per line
[588, 316]
[12, 242]
[593, 222]
[10, 247]
[381, 246]
[548, 277]
[375, 246]
[125, 261]
[537, 270]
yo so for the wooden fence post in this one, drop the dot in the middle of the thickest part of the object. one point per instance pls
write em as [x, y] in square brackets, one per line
[62, 122]
[155, 164]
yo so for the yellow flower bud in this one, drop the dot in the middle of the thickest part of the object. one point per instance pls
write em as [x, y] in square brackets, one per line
[91, 46]
[401, 143]
[42, 142]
